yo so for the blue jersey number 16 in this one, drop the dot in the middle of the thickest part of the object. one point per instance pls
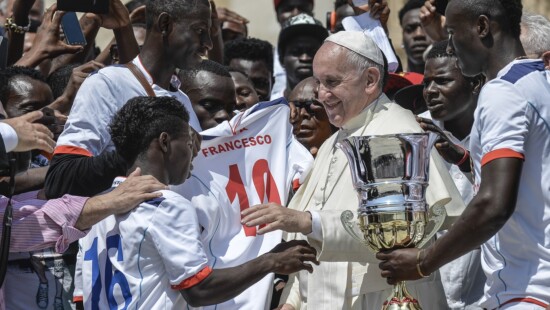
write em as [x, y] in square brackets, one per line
[111, 278]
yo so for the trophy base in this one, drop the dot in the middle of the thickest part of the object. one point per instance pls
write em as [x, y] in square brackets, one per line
[401, 299]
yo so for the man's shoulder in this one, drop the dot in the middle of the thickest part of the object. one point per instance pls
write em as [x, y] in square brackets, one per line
[169, 197]
[114, 76]
[517, 71]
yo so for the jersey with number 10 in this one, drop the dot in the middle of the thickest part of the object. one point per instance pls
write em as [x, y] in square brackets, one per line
[249, 160]
[140, 260]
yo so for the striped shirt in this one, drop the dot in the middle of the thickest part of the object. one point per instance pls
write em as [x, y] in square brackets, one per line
[38, 224]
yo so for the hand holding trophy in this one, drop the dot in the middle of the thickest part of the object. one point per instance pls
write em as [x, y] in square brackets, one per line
[390, 174]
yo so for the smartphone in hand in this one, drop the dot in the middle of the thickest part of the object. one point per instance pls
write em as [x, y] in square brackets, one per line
[71, 29]
[3, 52]
[440, 6]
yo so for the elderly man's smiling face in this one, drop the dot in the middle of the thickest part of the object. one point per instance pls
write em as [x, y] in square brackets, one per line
[343, 91]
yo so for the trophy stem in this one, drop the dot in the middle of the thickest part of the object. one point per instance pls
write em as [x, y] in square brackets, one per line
[401, 299]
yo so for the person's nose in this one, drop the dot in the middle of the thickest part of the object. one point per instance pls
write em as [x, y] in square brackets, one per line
[419, 33]
[450, 47]
[207, 41]
[304, 113]
[305, 57]
[240, 103]
[221, 116]
[430, 91]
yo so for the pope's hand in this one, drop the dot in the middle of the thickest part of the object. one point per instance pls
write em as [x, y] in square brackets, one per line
[274, 217]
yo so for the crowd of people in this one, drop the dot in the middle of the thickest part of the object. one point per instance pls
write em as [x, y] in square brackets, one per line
[187, 165]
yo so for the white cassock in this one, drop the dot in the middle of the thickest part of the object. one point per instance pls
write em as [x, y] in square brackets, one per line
[348, 276]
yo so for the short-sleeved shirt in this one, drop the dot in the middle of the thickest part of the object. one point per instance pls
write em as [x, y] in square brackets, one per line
[512, 121]
[99, 98]
[143, 258]
[249, 160]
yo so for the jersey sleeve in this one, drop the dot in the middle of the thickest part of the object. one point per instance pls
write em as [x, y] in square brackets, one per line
[503, 123]
[175, 232]
[86, 131]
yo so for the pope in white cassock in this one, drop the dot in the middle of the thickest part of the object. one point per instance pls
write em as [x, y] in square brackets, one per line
[350, 71]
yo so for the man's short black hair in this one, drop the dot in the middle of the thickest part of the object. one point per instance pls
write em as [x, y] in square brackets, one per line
[9, 73]
[438, 50]
[59, 79]
[507, 13]
[143, 119]
[409, 6]
[178, 9]
[187, 76]
[249, 49]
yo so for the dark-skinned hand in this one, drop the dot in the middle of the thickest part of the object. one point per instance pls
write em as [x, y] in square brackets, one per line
[399, 265]
[451, 152]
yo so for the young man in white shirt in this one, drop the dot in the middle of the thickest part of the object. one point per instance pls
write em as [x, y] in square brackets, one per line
[510, 215]
[152, 257]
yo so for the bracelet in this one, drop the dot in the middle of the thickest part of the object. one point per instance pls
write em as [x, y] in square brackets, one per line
[418, 264]
[463, 159]
[10, 24]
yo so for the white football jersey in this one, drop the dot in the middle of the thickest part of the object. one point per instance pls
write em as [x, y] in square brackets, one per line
[249, 160]
[512, 121]
[101, 95]
[140, 260]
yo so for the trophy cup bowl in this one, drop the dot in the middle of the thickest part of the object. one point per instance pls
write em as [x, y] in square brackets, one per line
[390, 174]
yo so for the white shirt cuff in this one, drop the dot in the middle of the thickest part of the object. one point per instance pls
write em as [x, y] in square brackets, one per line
[316, 227]
[9, 136]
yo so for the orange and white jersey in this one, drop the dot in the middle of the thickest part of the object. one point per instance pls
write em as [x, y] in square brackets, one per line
[142, 259]
[512, 120]
[101, 95]
[249, 160]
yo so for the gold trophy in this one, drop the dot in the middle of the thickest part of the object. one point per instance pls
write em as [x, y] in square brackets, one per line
[390, 174]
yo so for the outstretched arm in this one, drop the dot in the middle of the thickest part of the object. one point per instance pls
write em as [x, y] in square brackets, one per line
[483, 218]
[224, 284]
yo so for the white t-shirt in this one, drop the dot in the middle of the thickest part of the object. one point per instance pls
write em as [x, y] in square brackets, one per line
[249, 160]
[99, 98]
[140, 260]
[512, 119]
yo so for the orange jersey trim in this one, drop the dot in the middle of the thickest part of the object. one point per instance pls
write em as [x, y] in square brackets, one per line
[525, 300]
[295, 184]
[78, 298]
[194, 280]
[74, 150]
[500, 153]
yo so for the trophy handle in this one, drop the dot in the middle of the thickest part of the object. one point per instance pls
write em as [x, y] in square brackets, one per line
[351, 227]
[437, 217]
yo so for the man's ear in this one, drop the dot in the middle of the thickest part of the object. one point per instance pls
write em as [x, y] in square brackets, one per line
[164, 23]
[546, 59]
[373, 79]
[483, 26]
[477, 82]
[164, 142]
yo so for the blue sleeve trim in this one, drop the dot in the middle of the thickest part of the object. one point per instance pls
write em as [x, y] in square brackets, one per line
[156, 201]
[520, 70]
